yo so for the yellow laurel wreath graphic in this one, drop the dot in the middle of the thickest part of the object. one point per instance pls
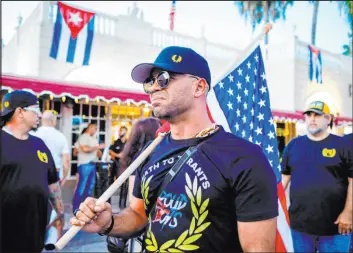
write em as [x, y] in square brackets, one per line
[197, 225]
[145, 189]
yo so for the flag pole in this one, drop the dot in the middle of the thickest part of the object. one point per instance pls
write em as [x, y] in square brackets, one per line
[244, 53]
[66, 238]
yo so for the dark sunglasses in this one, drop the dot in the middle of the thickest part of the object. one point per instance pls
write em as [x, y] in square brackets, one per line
[163, 79]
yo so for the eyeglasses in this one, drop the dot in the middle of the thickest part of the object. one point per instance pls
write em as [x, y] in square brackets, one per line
[163, 79]
[32, 109]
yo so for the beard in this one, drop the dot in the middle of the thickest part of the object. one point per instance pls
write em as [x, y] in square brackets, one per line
[34, 128]
[169, 112]
[314, 131]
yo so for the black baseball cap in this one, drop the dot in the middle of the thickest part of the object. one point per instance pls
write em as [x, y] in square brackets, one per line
[17, 98]
[175, 59]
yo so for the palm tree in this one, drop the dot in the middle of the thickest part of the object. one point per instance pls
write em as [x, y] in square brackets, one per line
[347, 8]
[259, 11]
[314, 21]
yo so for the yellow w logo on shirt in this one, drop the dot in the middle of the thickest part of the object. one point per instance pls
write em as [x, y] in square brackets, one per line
[329, 152]
[42, 157]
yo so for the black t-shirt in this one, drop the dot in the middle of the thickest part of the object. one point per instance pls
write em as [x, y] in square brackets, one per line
[319, 180]
[117, 147]
[26, 170]
[227, 180]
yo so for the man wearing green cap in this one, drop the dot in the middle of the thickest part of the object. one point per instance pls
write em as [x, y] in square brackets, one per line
[320, 168]
[27, 176]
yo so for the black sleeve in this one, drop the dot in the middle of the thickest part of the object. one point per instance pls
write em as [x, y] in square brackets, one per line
[255, 188]
[111, 147]
[285, 168]
[137, 185]
[348, 155]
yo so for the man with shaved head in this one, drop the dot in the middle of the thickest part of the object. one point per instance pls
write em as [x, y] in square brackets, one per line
[56, 142]
[59, 148]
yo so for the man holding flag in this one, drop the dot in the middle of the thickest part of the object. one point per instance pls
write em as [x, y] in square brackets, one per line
[221, 191]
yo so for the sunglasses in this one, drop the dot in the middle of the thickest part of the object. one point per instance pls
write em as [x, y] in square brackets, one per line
[163, 79]
[32, 109]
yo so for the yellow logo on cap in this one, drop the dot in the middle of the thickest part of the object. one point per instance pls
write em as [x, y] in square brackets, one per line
[177, 58]
[329, 152]
[6, 104]
[42, 157]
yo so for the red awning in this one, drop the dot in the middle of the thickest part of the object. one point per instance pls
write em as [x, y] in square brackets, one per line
[287, 116]
[59, 89]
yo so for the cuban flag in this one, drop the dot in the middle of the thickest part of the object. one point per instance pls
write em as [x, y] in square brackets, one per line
[315, 65]
[73, 35]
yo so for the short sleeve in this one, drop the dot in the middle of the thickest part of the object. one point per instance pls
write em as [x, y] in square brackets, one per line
[65, 149]
[348, 155]
[84, 140]
[255, 188]
[137, 185]
[285, 168]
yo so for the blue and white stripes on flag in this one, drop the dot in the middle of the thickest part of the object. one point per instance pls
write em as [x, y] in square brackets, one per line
[315, 65]
[73, 35]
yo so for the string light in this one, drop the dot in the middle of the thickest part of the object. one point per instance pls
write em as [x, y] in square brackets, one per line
[63, 99]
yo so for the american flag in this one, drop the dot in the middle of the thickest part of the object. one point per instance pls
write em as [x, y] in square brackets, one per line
[241, 103]
[171, 17]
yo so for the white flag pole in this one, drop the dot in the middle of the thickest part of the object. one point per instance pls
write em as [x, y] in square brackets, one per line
[66, 238]
[244, 53]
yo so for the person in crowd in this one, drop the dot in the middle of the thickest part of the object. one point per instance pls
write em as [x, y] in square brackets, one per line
[59, 148]
[221, 198]
[115, 152]
[28, 176]
[319, 166]
[88, 153]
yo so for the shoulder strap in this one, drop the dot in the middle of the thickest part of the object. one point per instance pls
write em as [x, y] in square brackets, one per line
[174, 171]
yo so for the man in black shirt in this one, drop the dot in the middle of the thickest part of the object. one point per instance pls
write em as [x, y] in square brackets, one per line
[224, 199]
[114, 151]
[320, 168]
[27, 177]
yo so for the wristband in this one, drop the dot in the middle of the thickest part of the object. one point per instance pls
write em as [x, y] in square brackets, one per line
[107, 231]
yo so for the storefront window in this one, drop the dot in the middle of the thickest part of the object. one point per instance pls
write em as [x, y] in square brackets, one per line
[83, 114]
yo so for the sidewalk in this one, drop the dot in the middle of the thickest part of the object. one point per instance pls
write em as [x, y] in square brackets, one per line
[83, 241]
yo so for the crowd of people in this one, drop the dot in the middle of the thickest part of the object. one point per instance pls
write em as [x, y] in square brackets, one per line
[201, 189]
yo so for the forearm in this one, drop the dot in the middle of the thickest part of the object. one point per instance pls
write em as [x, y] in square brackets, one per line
[55, 198]
[88, 149]
[349, 203]
[66, 171]
[66, 165]
[112, 154]
[127, 222]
